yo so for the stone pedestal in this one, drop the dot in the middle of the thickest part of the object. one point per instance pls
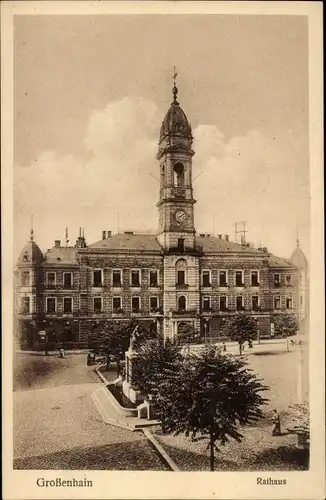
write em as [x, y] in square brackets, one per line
[128, 387]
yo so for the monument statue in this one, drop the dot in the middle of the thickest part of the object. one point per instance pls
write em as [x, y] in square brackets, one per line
[133, 338]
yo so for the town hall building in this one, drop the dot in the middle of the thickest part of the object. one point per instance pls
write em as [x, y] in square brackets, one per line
[174, 278]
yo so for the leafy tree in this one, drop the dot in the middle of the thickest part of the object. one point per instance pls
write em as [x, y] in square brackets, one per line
[209, 397]
[242, 328]
[285, 325]
[188, 335]
[157, 359]
[113, 337]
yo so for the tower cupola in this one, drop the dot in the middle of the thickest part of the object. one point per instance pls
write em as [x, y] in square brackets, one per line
[175, 128]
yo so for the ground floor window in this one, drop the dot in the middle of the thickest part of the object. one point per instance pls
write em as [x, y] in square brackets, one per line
[135, 304]
[67, 305]
[182, 303]
[277, 303]
[116, 304]
[51, 304]
[97, 304]
[206, 303]
[25, 305]
[240, 305]
[153, 304]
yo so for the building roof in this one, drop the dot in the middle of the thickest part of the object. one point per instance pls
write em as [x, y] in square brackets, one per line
[61, 255]
[274, 261]
[31, 253]
[214, 244]
[298, 258]
[211, 244]
[130, 241]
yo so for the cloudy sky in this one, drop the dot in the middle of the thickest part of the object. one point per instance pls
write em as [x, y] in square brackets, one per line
[90, 94]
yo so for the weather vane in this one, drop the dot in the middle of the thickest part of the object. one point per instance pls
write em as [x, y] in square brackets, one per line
[175, 74]
[175, 88]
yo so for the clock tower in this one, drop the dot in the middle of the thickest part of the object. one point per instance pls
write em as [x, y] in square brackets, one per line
[176, 202]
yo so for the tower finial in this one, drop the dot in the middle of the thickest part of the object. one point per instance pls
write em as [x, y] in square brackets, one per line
[32, 230]
[175, 88]
[298, 241]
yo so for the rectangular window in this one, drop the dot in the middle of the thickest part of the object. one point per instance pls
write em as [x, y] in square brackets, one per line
[288, 279]
[239, 278]
[153, 304]
[277, 303]
[97, 278]
[206, 304]
[51, 279]
[25, 305]
[67, 280]
[223, 278]
[254, 278]
[97, 304]
[206, 278]
[50, 305]
[116, 304]
[181, 244]
[240, 306]
[153, 281]
[116, 278]
[277, 279]
[135, 304]
[135, 278]
[181, 278]
[25, 278]
[255, 302]
[67, 305]
[289, 303]
[223, 303]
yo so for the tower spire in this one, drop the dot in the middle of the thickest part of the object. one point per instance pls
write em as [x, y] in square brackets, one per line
[298, 241]
[175, 88]
[32, 230]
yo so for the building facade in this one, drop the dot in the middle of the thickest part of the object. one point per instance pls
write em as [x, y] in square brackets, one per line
[176, 277]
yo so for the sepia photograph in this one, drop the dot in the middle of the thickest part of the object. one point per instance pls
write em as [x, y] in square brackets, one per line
[162, 246]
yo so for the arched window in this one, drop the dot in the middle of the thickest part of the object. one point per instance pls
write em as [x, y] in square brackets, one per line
[182, 303]
[179, 175]
[181, 272]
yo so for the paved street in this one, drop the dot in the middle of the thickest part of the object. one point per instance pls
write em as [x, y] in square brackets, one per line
[57, 426]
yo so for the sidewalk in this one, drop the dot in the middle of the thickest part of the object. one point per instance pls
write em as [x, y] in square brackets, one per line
[53, 352]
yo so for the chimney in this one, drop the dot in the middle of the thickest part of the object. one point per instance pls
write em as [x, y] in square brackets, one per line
[227, 237]
[109, 234]
[57, 243]
[219, 236]
[103, 235]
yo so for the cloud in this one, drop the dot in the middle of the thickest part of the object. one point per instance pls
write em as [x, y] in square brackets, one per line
[250, 178]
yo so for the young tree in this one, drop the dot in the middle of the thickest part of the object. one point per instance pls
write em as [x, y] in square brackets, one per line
[242, 328]
[209, 397]
[285, 325]
[156, 361]
[112, 338]
[188, 335]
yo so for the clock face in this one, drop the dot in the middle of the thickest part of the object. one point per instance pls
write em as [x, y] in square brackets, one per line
[180, 216]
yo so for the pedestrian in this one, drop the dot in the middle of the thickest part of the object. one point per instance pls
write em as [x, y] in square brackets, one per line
[224, 346]
[277, 424]
[89, 359]
[250, 345]
[62, 352]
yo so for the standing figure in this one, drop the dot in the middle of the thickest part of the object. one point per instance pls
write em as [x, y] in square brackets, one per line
[277, 424]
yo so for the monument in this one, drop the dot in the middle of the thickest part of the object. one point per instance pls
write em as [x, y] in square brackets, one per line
[128, 386]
